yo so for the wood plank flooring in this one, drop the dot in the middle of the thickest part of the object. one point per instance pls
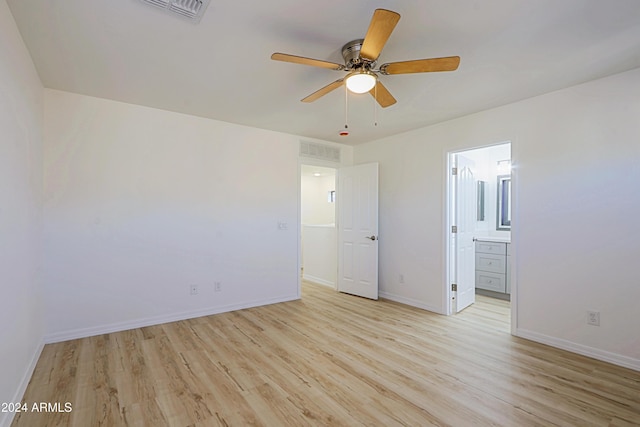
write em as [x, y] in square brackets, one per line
[329, 359]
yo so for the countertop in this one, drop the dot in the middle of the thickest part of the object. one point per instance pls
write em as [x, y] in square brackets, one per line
[493, 239]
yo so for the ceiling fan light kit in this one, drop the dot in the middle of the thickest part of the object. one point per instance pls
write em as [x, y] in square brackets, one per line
[361, 81]
[360, 58]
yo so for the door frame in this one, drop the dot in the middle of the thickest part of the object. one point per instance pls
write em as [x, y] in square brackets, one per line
[449, 221]
[338, 208]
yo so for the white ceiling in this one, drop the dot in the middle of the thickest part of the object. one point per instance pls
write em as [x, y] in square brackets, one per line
[128, 51]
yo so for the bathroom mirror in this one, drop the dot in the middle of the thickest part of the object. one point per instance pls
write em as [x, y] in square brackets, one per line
[480, 199]
[504, 203]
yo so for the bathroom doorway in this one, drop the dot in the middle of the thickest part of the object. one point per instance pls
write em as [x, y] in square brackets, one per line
[478, 212]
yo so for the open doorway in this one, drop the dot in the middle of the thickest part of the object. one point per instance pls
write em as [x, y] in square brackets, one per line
[478, 210]
[318, 231]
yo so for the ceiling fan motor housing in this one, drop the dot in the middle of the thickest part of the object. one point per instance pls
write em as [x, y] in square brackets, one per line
[351, 55]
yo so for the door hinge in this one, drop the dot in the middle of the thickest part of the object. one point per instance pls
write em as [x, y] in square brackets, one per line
[454, 171]
[454, 287]
[454, 228]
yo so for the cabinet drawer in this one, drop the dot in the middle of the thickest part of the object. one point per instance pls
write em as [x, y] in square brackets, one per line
[491, 247]
[492, 263]
[490, 281]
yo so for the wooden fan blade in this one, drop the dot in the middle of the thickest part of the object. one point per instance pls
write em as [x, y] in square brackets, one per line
[380, 28]
[382, 95]
[306, 61]
[322, 92]
[449, 63]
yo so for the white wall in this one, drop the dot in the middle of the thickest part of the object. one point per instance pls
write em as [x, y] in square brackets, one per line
[21, 323]
[314, 192]
[142, 203]
[319, 247]
[576, 177]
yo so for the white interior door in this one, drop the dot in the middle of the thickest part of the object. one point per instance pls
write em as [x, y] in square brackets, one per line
[465, 221]
[357, 198]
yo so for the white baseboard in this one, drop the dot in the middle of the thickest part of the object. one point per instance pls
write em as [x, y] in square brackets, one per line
[318, 280]
[7, 418]
[156, 320]
[410, 301]
[595, 353]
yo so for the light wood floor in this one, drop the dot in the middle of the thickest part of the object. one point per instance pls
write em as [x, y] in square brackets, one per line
[329, 359]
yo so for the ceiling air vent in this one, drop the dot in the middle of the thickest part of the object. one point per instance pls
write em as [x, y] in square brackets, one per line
[191, 9]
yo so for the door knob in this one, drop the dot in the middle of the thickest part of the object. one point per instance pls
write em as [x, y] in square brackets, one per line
[371, 237]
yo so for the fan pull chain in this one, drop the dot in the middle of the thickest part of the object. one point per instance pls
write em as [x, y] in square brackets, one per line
[375, 105]
[345, 132]
[346, 107]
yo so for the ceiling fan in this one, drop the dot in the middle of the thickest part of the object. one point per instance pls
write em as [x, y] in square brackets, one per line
[360, 59]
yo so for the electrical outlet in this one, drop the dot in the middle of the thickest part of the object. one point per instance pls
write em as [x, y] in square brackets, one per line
[593, 318]
[193, 289]
[401, 278]
[217, 286]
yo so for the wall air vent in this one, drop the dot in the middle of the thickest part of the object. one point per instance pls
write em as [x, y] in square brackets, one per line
[191, 9]
[319, 151]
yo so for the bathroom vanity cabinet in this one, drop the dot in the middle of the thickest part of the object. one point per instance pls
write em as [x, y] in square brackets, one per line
[493, 259]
